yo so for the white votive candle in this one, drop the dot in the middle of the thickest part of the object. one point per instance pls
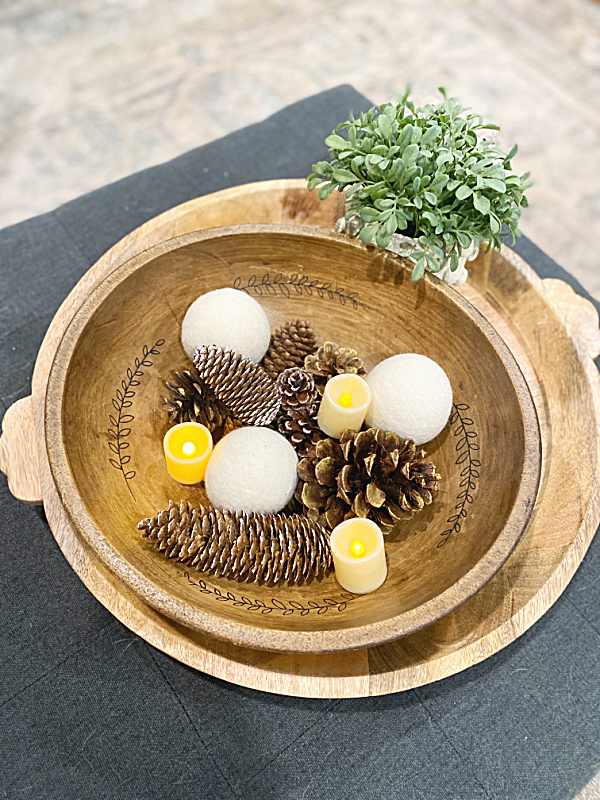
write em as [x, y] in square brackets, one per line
[358, 569]
[345, 403]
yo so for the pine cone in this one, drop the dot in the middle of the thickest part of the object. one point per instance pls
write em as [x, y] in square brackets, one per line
[373, 474]
[192, 400]
[243, 386]
[331, 360]
[250, 547]
[289, 347]
[301, 429]
[297, 389]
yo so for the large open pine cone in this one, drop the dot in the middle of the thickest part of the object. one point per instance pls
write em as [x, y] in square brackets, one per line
[373, 474]
[191, 400]
[289, 346]
[297, 389]
[331, 360]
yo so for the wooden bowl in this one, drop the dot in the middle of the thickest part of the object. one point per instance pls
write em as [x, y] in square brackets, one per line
[107, 385]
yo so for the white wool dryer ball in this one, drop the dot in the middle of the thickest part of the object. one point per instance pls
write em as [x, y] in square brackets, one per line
[412, 396]
[252, 469]
[227, 318]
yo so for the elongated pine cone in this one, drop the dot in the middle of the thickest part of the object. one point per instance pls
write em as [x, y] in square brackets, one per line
[331, 360]
[289, 347]
[297, 389]
[191, 400]
[242, 385]
[249, 547]
[373, 474]
[301, 429]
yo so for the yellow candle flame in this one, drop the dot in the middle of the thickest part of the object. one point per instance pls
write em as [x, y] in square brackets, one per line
[188, 448]
[357, 549]
[345, 400]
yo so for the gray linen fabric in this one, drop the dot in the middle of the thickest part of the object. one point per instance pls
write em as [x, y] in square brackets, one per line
[89, 710]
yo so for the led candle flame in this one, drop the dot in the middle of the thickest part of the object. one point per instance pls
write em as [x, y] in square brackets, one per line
[187, 447]
[346, 400]
[344, 405]
[357, 549]
[358, 555]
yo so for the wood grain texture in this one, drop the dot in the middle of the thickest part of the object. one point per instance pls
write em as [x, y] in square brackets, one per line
[18, 452]
[566, 390]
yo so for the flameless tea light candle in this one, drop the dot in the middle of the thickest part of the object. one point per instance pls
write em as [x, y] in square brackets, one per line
[188, 447]
[358, 555]
[344, 405]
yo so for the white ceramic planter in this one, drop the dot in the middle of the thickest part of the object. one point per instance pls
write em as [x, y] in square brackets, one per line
[405, 246]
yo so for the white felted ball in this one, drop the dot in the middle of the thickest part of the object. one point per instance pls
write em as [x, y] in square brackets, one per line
[412, 397]
[252, 469]
[227, 318]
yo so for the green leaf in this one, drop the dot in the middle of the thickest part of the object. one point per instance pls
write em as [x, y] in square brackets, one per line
[385, 125]
[418, 270]
[416, 135]
[344, 176]
[369, 214]
[495, 184]
[430, 217]
[430, 135]
[440, 180]
[335, 142]
[481, 203]
[453, 262]
[401, 221]
[489, 127]
[404, 138]
[434, 264]
[325, 190]
[463, 192]
[383, 237]
[494, 223]
[410, 154]
[513, 152]
[390, 225]
[430, 197]
[366, 234]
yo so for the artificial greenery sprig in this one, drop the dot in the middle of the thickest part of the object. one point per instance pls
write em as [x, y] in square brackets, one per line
[426, 172]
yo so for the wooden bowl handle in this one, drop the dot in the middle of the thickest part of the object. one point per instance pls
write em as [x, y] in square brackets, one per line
[579, 315]
[18, 453]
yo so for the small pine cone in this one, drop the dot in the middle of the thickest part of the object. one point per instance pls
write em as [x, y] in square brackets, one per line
[191, 400]
[331, 360]
[289, 347]
[301, 430]
[242, 385]
[297, 389]
[271, 548]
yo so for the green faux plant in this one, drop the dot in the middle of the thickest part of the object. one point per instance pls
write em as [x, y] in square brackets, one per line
[427, 173]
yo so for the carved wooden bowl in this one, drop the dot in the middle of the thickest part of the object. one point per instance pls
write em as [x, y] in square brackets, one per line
[107, 388]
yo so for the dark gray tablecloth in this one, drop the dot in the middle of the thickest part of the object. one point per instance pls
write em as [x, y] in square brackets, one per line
[89, 710]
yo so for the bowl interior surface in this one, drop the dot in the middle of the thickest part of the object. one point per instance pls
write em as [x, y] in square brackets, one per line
[106, 423]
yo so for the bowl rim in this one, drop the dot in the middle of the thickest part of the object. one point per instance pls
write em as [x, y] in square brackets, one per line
[241, 633]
